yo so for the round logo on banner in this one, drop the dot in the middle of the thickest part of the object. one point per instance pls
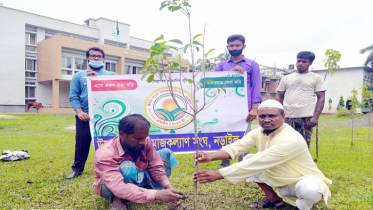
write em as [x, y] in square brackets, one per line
[162, 111]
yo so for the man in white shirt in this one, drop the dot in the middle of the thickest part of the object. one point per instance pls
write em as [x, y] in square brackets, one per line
[298, 92]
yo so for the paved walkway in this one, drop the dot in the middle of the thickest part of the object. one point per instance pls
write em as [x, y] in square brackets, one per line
[9, 117]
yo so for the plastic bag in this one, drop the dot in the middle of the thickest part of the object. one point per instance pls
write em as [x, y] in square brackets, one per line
[14, 155]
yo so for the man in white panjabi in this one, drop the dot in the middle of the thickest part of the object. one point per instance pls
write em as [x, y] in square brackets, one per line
[282, 161]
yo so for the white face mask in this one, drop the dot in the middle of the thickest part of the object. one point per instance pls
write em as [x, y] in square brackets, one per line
[96, 64]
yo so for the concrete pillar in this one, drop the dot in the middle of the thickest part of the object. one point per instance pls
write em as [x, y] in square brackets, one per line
[56, 93]
[120, 65]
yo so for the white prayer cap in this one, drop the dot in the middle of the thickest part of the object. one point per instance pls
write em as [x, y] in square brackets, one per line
[271, 103]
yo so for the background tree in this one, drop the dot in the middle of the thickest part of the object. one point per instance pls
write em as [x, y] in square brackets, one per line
[209, 64]
[354, 105]
[367, 101]
[332, 57]
[369, 59]
[224, 56]
[330, 104]
[341, 104]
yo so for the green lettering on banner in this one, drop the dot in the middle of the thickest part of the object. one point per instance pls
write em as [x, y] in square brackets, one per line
[223, 82]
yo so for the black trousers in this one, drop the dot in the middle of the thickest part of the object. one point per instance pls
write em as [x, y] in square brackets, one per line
[82, 144]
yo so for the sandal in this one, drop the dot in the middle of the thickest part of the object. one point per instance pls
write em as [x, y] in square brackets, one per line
[265, 203]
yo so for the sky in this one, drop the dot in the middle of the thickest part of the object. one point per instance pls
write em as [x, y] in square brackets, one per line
[275, 31]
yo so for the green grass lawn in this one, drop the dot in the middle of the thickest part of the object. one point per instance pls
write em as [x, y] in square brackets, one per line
[38, 183]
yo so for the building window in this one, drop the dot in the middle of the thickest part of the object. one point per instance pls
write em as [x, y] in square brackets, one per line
[136, 70]
[78, 63]
[30, 83]
[66, 72]
[30, 65]
[127, 69]
[30, 48]
[30, 92]
[28, 100]
[66, 62]
[69, 62]
[30, 39]
[111, 67]
[30, 74]
[72, 65]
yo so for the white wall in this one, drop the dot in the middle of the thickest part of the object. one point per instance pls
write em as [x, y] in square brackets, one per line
[12, 45]
[341, 84]
[134, 41]
[12, 58]
[106, 30]
[64, 94]
[44, 94]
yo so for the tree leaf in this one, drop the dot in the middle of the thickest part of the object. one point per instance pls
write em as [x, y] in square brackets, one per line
[150, 78]
[219, 90]
[148, 61]
[162, 56]
[175, 8]
[197, 49]
[197, 43]
[186, 47]
[156, 59]
[164, 4]
[160, 74]
[143, 76]
[196, 36]
[224, 90]
[209, 81]
[187, 4]
[159, 38]
[178, 57]
[209, 52]
[161, 46]
[190, 81]
[176, 41]
[174, 48]
[154, 48]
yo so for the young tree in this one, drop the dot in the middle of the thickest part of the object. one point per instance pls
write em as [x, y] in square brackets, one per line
[332, 57]
[330, 104]
[157, 55]
[341, 104]
[354, 105]
[367, 101]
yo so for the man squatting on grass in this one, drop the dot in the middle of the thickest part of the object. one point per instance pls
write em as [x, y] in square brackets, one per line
[238, 62]
[79, 100]
[297, 92]
[128, 167]
[282, 161]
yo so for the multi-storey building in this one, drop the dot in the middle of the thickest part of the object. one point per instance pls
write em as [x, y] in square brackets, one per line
[39, 55]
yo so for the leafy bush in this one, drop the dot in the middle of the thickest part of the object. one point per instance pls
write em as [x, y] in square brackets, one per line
[347, 113]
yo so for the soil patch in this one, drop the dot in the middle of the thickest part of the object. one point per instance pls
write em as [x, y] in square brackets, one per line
[358, 122]
[9, 117]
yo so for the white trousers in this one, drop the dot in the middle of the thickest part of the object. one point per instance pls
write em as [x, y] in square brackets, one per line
[307, 191]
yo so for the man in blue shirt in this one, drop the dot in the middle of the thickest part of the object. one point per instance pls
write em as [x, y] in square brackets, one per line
[238, 62]
[79, 100]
